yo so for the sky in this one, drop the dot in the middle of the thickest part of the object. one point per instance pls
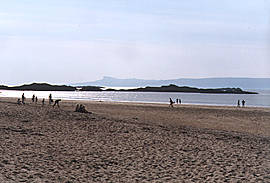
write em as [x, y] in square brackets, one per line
[69, 41]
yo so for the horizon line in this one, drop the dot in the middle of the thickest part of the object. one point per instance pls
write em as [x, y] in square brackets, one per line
[72, 83]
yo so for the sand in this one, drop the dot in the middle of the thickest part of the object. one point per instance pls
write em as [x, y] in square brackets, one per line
[132, 142]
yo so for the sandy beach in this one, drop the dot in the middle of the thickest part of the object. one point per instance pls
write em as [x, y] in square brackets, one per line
[133, 142]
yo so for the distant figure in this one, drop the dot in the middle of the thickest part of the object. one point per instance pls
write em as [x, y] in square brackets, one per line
[81, 108]
[19, 101]
[56, 102]
[77, 108]
[238, 103]
[179, 100]
[50, 99]
[171, 102]
[43, 101]
[33, 98]
[36, 100]
[23, 98]
[243, 103]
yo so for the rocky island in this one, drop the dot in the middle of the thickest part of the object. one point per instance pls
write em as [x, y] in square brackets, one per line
[39, 87]
[169, 88]
[186, 89]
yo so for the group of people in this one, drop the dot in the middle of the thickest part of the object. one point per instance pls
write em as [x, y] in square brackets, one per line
[35, 99]
[23, 100]
[178, 101]
[243, 103]
[80, 108]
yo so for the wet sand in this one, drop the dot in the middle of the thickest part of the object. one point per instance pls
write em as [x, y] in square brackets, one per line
[131, 142]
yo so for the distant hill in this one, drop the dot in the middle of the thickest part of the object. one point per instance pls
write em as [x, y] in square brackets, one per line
[245, 83]
[3, 87]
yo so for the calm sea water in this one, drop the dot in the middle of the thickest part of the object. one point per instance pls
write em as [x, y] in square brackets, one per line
[260, 100]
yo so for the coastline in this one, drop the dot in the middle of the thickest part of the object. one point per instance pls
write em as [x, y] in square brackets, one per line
[124, 100]
[14, 99]
[133, 142]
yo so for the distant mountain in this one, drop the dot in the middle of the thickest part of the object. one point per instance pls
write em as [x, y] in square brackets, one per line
[114, 82]
[245, 83]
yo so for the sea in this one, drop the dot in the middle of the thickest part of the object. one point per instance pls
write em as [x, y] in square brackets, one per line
[255, 100]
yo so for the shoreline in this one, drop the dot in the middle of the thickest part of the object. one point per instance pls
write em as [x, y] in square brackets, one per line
[198, 116]
[157, 103]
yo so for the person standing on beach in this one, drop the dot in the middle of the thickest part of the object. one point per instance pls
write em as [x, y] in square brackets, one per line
[23, 98]
[43, 101]
[243, 103]
[171, 102]
[177, 100]
[33, 98]
[50, 99]
[36, 100]
[238, 103]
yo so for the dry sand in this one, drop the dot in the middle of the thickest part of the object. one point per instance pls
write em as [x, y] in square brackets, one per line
[125, 142]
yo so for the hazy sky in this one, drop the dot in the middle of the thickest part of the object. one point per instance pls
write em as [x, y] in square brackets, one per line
[67, 41]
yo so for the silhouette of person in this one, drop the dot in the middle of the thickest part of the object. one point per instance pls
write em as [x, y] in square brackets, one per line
[81, 108]
[56, 102]
[243, 103]
[179, 101]
[23, 98]
[19, 101]
[33, 98]
[36, 100]
[238, 103]
[171, 102]
[50, 98]
[77, 108]
[43, 101]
